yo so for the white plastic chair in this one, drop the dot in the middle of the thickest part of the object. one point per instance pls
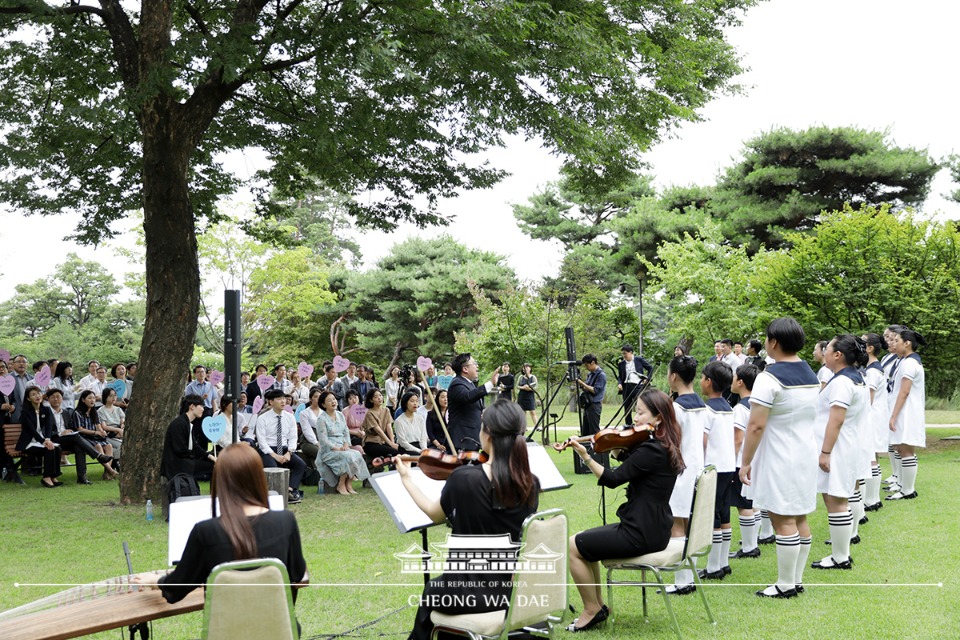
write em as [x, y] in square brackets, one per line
[677, 555]
[249, 599]
[544, 594]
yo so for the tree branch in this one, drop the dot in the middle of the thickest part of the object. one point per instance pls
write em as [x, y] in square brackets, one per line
[47, 10]
[197, 18]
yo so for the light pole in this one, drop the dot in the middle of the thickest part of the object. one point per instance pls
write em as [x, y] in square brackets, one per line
[623, 289]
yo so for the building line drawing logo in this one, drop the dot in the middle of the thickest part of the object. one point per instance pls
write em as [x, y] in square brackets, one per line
[478, 554]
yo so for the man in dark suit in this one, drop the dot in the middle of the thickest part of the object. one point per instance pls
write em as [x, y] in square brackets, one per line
[72, 441]
[632, 372]
[594, 388]
[465, 403]
[184, 451]
[23, 380]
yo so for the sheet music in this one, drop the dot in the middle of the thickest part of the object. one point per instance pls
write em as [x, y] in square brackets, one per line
[188, 511]
[408, 516]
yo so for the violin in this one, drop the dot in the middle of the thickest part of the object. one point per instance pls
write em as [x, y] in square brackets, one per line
[435, 464]
[609, 439]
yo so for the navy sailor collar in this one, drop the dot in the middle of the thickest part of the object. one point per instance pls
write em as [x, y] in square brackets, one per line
[847, 372]
[720, 405]
[690, 401]
[793, 374]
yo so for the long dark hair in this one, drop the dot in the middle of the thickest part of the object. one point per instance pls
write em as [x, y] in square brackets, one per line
[238, 480]
[668, 431]
[512, 479]
[62, 371]
[82, 408]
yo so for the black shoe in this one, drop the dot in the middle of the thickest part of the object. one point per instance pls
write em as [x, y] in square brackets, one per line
[864, 520]
[768, 539]
[596, 621]
[833, 564]
[902, 496]
[83, 480]
[295, 496]
[789, 593]
[753, 553]
[799, 588]
[712, 575]
[684, 590]
[855, 539]
[876, 506]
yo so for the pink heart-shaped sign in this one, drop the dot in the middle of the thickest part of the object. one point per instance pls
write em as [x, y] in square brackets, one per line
[42, 379]
[288, 408]
[265, 382]
[305, 370]
[216, 377]
[359, 411]
[257, 405]
[7, 384]
[4, 355]
[340, 364]
[424, 363]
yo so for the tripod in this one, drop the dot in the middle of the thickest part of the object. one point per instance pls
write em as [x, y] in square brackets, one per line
[542, 423]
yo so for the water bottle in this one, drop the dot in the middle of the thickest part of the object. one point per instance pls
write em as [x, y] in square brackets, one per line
[149, 510]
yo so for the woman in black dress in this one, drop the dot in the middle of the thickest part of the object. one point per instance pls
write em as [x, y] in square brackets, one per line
[489, 499]
[526, 386]
[244, 528]
[651, 468]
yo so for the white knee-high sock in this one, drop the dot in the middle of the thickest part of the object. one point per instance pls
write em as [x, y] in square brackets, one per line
[897, 465]
[748, 531]
[714, 562]
[802, 560]
[841, 526]
[908, 475]
[788, 551]
[856, 508]
[873, 486]
[684, 576]
[725, 546]
[766, 527]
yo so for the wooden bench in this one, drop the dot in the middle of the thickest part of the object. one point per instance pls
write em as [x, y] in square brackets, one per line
[11, 433]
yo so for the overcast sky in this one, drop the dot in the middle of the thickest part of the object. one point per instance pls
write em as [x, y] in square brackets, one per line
[875, 64]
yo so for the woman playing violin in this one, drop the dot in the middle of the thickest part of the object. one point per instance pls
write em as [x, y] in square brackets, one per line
[651, 469]
[492, 498]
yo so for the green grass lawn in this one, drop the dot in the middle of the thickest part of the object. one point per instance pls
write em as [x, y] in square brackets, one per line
[904, 583]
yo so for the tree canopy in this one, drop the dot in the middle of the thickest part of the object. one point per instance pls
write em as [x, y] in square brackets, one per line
[783, 182]
[108, 108]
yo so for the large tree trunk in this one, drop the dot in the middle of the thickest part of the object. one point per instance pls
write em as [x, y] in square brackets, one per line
[173, 300]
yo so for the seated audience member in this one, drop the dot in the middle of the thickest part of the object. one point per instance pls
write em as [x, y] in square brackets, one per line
[37, 430]
[340, 462]
[378, 438]
[308, 428]
[277, 440]
[86, 422]
[112, 419]
[410, 428]
[253, 388]
[436, 438]
[354, 422]
[299, 391]
[98, 385]
[184, 451]
[63, 380]
[73, 442]
[243, 528]
[119, 372]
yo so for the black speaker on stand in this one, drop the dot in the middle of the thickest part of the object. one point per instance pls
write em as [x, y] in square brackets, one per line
[232, 338]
